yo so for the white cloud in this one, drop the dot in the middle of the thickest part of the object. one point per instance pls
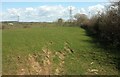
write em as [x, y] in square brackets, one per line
[42, 13]
[47, 13]
[83, 11]
[0, 16]
[14, 11]
[95, 9]
[114, 0]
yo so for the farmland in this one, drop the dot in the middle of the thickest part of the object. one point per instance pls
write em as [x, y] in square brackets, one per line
[52, 49]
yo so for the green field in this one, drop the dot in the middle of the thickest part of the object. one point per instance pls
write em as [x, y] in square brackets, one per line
[54, 50]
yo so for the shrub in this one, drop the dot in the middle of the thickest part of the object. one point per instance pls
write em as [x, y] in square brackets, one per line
[106, 26]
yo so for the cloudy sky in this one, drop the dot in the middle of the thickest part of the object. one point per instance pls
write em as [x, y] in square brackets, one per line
[47, 11]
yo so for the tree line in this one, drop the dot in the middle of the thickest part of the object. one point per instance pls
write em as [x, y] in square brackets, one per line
[104, 26]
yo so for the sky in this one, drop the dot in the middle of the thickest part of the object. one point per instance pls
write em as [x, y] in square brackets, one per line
[47, 11]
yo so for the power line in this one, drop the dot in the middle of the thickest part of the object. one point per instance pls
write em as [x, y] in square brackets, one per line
[18, 18]
[70, 14]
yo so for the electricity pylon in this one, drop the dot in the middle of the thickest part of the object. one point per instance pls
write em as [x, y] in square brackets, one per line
[70, 14]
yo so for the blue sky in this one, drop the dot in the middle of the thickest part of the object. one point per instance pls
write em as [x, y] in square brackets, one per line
[47, 11]
[56, 0]
[6, 5]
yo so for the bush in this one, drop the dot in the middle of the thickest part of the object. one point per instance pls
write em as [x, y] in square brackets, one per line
[106, 26]
[26, 26]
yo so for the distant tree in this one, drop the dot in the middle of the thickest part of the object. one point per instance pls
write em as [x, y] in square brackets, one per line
[60, 20]
[80, 18]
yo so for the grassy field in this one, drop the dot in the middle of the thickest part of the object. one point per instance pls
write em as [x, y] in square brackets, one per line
[54, 50]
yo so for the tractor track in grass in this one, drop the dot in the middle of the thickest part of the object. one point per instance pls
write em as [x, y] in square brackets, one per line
[47, 64]
[62, 55]
[32, 66]
[60, 67]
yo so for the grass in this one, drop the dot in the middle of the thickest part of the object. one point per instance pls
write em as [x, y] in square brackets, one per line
[24, 41]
